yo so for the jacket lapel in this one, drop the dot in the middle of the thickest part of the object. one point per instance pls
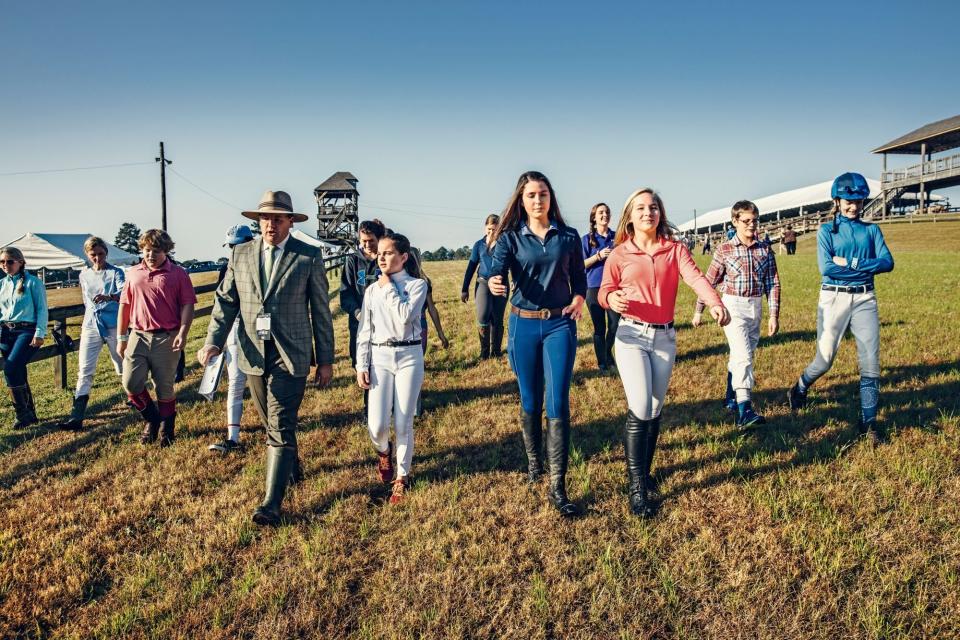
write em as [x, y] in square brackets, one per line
[258, 265]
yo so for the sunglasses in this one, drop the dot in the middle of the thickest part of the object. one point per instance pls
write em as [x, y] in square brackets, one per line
[9, 261]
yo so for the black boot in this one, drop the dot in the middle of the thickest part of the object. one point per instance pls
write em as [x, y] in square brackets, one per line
[75, 421]
[533, 444]
[600, 349]
[296, 474]
[496, 341]
[21, 406]
[484, 342]
[653, 433]
[280, 461]
[558, 450]
[151, 419]
[167, 429]
[33, 409]
[636, 438]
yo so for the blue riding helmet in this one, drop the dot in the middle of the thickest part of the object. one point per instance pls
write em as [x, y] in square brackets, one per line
[850, 186]
[238, 234]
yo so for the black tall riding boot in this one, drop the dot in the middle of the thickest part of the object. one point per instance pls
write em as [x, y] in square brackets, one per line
[496, 341]
[600, 349]
[653, 432]
[558, 451]
[151, 419]
[533, 444]
[280, 462]
[75, 421]
[484, 333]
[21, 406]
[635, 442]
[167, 429]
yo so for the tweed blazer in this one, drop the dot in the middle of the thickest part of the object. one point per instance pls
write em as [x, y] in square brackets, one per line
[297, 299]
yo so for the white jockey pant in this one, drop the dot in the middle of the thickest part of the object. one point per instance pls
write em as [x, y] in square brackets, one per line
[396, 375]
[645, 359]
[835, 312]
[236, 379]
[743, 335]
[90, 345]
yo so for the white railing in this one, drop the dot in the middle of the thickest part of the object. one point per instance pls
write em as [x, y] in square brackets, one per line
[932, 169]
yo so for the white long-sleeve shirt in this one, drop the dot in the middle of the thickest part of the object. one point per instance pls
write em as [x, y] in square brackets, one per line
[390, 313]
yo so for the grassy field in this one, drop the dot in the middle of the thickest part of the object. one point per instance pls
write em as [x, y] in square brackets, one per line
[796, 531]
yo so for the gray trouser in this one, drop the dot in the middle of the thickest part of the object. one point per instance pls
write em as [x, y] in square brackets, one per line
[277, 396]
[835, 312]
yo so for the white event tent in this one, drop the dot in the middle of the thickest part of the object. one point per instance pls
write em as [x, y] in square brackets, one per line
[63, 251]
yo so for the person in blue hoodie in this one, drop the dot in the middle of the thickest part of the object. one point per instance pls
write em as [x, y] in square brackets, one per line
[850, 253]
[489, 307]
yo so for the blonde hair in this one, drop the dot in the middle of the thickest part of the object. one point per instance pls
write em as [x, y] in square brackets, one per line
[156, 238]
[625, 227]
[93, 242]
[743, 206]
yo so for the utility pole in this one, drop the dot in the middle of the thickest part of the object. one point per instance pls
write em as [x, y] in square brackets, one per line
[163, 185]
[694, 222]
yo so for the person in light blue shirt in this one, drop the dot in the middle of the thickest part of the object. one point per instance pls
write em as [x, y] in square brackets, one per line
[544, 256]
[850, 252]
[100, 284]
[489, 307]
[23, 327]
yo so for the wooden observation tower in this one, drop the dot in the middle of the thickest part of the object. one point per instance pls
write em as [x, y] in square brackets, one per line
[338, 209]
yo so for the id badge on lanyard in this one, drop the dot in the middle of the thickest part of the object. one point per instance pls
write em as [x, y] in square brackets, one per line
[263, 326]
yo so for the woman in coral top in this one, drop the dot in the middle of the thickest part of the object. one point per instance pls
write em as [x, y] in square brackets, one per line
[640, 281]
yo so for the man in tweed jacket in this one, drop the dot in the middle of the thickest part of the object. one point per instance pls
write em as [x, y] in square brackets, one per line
[276, 284]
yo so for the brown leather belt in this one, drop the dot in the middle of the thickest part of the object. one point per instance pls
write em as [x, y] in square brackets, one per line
[539, 314]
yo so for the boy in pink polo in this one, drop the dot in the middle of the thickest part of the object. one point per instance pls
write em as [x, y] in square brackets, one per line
[156, 305]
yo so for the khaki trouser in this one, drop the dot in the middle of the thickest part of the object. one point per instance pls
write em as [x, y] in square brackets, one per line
[150, 353]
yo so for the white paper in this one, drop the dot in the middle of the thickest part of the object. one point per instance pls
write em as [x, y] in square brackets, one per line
[211, 377]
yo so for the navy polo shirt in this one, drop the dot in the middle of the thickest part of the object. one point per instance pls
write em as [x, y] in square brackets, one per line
[595, 272]
[546, 273]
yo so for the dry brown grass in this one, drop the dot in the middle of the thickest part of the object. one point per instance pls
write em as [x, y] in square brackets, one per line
[792, 532]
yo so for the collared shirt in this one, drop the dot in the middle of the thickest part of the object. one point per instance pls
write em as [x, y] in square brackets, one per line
[277, 253]
[745, 271]
[108, 281]
[390, 313]
[595, 271]
[861, 243]
[547, 273]
[29, 306]
[481, 260]
[156, 297]
[650, 280]
[358, 273]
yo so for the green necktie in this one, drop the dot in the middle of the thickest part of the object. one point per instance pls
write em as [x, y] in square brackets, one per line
[267, 268]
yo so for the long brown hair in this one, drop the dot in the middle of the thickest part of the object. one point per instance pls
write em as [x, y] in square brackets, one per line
[625, 227]
[514, 213]
[17, 255]
[592, 238]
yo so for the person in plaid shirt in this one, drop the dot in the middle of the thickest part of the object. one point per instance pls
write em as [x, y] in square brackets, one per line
[746, 271]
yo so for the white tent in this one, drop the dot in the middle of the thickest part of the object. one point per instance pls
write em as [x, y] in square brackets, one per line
[63, 251]
[328, 248]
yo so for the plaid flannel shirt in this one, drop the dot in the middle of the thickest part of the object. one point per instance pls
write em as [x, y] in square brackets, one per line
[746, 272]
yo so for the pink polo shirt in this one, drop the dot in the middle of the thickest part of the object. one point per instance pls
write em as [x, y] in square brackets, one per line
[156, 297]
[651, 280]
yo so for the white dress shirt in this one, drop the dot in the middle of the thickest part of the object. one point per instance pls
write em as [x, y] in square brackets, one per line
[390, 313]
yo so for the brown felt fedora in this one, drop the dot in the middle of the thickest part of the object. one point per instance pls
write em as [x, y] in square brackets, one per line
[275, 202]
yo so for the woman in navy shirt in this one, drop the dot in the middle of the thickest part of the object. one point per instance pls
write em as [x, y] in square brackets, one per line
[597, 245]
[544, 256]
[489, 307]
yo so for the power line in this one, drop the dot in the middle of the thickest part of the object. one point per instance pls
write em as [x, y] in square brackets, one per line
[420, 213]
[199, 188]
[99, 166]
[425, 206]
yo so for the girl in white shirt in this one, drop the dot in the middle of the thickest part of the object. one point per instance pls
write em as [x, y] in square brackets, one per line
[390, 357]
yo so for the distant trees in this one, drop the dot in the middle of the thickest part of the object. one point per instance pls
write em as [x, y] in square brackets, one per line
[127, 238]
[463, 253]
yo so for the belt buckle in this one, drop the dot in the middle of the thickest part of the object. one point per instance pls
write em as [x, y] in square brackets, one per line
[544, 314]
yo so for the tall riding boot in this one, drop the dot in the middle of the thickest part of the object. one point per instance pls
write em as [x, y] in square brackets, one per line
[600, 349]
[167, 429]
[33, 409]
[21, 406]
[280, 461]
[635, 442]
[296, 473]
[653, 432]
[496, 341]
[558, 450]
[75, 421]
[484, 342]
[533, 444]
[151, 419]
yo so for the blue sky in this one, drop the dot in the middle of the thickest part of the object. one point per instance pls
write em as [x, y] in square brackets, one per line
[437, 108]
